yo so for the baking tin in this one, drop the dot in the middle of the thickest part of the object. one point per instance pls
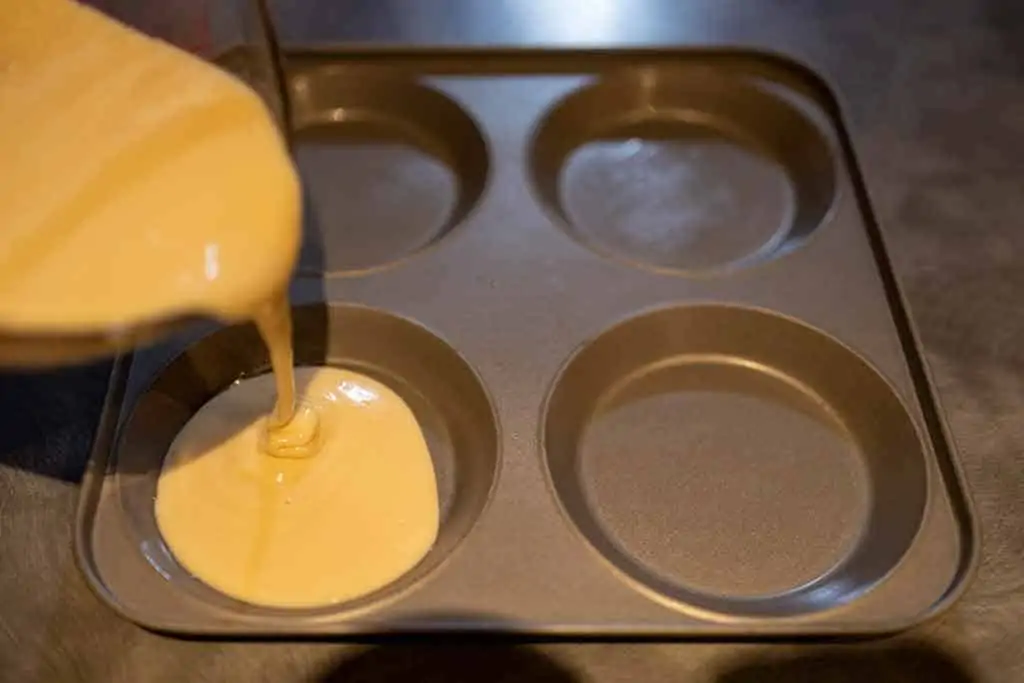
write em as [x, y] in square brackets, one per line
[640, 305]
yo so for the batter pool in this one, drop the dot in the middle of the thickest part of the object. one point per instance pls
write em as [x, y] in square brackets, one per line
[300, 531]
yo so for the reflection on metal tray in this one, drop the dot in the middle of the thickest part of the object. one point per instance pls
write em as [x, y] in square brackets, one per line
[640, 306]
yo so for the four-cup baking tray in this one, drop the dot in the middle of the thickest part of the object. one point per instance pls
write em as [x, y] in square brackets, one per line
[640, 305]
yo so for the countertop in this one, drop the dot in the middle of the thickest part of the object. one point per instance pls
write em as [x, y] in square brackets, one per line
[935, 95]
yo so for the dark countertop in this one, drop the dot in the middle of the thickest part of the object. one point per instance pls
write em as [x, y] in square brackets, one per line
[935, 92]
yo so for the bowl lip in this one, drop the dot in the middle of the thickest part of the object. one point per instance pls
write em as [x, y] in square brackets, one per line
[640, 579]
[53, 345]
[776, 246]
[122, 415]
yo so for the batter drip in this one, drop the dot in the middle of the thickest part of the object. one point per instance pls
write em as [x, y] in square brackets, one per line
[140, 183]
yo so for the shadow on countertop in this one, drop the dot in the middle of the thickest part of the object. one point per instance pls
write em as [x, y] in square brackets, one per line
[47, 418]
[441, 661]
[449, 663]
[903, 662]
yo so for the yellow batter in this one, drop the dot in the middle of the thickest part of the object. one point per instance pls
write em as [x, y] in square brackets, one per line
[296, 532]
[138, 182]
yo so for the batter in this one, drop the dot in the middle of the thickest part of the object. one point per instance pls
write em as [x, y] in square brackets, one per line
[138, 182]
[298, 532]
